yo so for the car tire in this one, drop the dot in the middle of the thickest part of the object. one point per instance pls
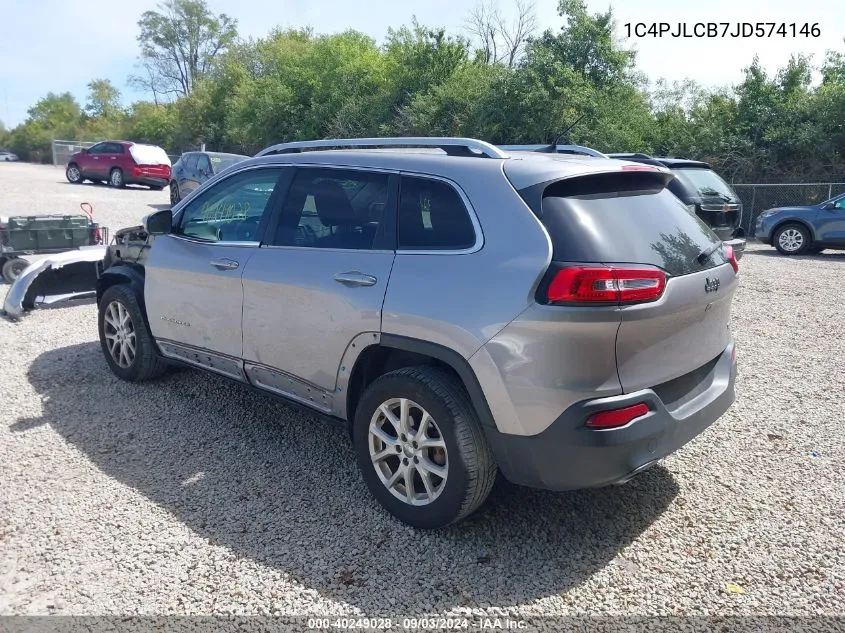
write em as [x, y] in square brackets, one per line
[117, 334]
[12, 268]
[792, 239]
[116, 178]
[175, 195]
[73, 174]
[461, 453]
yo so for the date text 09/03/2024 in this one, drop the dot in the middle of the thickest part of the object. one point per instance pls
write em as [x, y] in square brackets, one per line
[722, 29]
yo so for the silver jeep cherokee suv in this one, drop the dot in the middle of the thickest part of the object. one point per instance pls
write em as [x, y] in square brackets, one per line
[562, 319]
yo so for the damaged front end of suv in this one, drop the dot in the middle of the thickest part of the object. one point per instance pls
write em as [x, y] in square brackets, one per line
[73, 274]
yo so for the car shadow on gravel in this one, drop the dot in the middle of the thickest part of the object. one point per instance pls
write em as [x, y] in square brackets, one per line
[269, 482]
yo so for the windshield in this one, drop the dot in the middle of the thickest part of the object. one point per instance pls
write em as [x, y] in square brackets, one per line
[706, 182]
[149, 155]
[219, 162]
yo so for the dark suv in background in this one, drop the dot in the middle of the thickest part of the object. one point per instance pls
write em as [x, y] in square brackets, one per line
[194, 168]
[704, 192]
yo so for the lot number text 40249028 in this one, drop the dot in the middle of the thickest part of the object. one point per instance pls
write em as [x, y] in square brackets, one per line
[721, 29]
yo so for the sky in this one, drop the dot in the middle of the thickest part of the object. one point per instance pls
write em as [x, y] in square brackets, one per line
[59, 45]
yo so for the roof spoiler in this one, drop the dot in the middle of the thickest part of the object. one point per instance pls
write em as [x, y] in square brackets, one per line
[580, 150]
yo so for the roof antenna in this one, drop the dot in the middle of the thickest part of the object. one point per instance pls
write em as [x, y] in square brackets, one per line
[552, 147]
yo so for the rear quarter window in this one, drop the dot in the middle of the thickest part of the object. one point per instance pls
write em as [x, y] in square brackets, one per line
[626, 218]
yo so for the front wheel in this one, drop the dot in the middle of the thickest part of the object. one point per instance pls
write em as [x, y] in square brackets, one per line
[174, 193]
[420, 447]
[124, 337]
[73, 175]
[116, 178]
[792, 239]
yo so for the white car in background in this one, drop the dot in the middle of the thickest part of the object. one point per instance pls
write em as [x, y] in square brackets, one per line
[4, 155]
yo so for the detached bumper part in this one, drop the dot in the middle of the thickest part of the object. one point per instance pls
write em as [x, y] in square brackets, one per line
[738, 244]
[569, 456]
[63, 276]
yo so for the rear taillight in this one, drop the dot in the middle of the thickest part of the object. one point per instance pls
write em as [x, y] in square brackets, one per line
[96, 235]
[617, 417]
[606, 284]
[729, 253]
[136, 170]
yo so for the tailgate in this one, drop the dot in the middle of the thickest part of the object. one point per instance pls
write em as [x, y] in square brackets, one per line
[156, 171]
[686, 328]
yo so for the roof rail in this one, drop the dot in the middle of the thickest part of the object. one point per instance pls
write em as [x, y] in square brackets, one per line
[558, 149]
[451, 145]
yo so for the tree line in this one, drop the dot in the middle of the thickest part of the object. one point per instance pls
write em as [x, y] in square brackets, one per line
[497, 80]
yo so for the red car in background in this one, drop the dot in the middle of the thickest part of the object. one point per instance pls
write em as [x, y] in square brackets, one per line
[120, 163]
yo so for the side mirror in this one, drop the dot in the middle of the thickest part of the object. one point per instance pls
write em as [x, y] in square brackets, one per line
[159, 223]
[830, 206]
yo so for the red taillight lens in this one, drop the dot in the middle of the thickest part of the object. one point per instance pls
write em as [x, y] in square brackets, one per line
[606, 284]
[729, 253]
[136, 170]
[96, 235]
[617, 417]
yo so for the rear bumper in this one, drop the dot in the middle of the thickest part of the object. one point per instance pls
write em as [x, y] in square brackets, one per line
[147, 180]
[738, 245]
[568, 456]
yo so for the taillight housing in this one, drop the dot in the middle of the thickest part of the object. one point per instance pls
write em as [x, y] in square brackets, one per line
[614, 418]
[136, 170]
[600, 284]
[731, 256]
[96, 234]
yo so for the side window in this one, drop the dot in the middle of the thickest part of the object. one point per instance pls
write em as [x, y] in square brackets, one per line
[203, 165]
[111, 148]
[231, 210]
[98, 148]
[432, 216]
[333, 208]
[191, 163]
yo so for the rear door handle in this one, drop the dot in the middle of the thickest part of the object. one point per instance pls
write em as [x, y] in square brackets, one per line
[224, 264]
[354, 278]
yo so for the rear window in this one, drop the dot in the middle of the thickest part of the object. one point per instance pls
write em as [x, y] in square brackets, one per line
[706, 183]
[626, 218]
[149, 155]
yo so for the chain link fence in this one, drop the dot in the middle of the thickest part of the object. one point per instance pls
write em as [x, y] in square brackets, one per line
[63, 150]
[756, 198]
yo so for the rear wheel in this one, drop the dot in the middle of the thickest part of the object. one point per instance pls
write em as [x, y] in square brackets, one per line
[124, 337]
[420, 447]
[792, 239]
[116, 178]
[73, 175]
[174, 193]
[12, 268]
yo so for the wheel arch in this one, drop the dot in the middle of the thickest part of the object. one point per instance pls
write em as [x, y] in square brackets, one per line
[801, 221]
[394, 352]
[129, 274]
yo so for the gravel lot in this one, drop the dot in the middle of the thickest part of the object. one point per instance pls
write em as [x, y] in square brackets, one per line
[193, 495]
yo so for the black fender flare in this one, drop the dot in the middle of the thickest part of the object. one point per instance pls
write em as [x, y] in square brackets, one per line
[129, 274]
[454, 360]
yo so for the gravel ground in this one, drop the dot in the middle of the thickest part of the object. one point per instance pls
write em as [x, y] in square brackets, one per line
[191, 495]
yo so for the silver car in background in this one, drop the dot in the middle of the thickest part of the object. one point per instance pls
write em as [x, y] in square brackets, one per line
[562, 319]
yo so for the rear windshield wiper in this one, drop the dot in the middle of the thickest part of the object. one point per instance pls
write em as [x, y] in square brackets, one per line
[707, 253]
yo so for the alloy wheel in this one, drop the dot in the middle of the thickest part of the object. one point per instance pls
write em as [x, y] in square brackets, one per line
[408, 451]
[73, 174]
[116, 178]
[791, 240]
[119, 332]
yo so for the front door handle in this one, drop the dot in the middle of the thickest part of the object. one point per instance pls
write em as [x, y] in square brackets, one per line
[224, 264]
[354, 278]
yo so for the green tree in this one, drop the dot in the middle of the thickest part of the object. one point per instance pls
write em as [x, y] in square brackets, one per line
[179, 45]
[103, 100]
